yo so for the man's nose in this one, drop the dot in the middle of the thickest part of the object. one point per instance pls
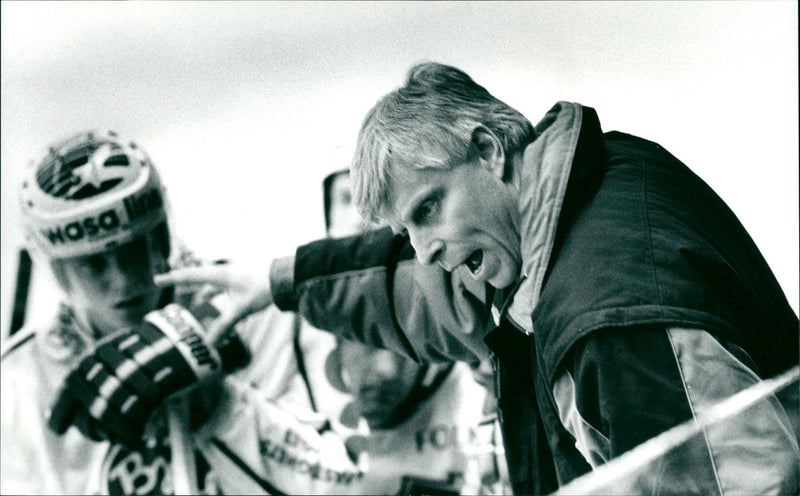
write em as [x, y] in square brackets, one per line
[429, 251]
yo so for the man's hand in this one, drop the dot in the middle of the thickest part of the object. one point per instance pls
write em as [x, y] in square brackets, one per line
[117, 386]
[249, 291]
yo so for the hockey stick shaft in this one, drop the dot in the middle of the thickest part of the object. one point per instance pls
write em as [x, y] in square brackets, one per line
[183, 465]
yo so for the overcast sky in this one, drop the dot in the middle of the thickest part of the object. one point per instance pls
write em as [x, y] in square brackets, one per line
[245, 106]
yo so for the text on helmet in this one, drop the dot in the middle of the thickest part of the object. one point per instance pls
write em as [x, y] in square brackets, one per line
[135, 207]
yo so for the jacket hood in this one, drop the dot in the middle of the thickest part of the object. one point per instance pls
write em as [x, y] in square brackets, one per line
[546, 171]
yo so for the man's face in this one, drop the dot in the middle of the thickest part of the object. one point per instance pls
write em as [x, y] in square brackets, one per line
[462, 216]
[378, 379]
[344, 217]
[115, 288]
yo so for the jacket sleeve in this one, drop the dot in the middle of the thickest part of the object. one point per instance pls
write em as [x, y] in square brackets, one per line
[369, 287]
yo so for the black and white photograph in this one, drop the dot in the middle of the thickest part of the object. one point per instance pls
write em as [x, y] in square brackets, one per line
[400, 248]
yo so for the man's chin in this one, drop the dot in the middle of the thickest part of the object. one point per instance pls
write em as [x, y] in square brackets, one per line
[502, 281]
[127, 317]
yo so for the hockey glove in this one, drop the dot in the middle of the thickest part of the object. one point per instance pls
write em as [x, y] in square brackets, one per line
[116, 387]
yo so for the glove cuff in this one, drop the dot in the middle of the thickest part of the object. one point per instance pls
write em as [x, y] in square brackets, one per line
[186, 333]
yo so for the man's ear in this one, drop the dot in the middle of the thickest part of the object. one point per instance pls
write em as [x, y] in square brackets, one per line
[490, 150]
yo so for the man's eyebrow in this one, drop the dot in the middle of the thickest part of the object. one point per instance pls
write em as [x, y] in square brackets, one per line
[434, 195]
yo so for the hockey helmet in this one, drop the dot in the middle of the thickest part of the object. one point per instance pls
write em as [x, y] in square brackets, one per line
[90, 193]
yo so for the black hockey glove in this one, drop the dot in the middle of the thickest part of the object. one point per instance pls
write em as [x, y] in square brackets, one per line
[117, 386]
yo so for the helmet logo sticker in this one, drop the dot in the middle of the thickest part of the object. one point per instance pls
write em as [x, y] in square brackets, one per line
[86, 175]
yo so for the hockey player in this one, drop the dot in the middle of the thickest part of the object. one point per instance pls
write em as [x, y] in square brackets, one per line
[95, 211]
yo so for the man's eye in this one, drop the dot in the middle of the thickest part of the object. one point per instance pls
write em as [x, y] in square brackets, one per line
[424, 212]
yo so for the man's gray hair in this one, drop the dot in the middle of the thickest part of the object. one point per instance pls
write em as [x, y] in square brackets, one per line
[428, 123]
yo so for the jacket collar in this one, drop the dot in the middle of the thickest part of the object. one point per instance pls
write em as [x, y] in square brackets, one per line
[546, 168]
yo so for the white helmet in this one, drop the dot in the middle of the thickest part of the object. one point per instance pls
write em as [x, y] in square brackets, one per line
[92, 192]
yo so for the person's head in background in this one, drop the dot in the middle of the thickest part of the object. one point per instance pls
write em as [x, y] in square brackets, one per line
[386, 386]
[93, 209]
[341, 215]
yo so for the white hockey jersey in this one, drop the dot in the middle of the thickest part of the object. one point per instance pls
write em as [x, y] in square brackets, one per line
[37, 461]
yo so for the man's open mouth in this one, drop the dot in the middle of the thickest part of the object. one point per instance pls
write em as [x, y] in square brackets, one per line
[474, 261]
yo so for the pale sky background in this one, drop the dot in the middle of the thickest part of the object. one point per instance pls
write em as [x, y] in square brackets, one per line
[245, 106]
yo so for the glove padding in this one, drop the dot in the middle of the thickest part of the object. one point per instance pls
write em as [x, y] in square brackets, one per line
[116, 387]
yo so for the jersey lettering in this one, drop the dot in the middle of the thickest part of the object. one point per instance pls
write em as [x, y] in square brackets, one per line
[294, 440]
[443, 437]
[148, 472]
[133, 475]
[314, 470]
